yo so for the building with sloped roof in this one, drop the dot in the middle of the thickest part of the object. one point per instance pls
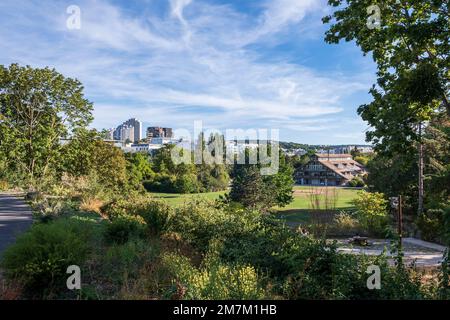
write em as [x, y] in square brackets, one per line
[329, 170]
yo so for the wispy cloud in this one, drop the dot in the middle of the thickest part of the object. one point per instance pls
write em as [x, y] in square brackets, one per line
[181, 60]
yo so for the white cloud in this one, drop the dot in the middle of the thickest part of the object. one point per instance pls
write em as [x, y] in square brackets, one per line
[282, 12]
[193, 63]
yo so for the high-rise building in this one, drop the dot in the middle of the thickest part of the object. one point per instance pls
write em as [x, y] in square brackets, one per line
[168, 133]
[159, 132]
[129, 130]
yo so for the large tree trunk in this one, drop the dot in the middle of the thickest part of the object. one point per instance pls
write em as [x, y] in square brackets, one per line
[421, 155]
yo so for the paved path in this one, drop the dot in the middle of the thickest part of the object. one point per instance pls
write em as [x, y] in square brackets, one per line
[425, 244]
[424, 254]
[15, 218]
[421, 259]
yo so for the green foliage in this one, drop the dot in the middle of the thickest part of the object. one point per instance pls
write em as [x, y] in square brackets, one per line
[249, 189]
[363, 158]
[4, 185]
[356, 182]
[393, 175]
[416, 57]
[345, 224]
[256, 191]
[161, 182]
[214, 280]
[187, 183]
[430, 224]
[156, 214]
[139, 169]
[372, 211]
[204, 259]
[39, 259]
[200, 221]
[411, 49]
[298, 267]
[124, 228]
[38, 107]
[87, 155]
[437, 174]
[120, 267]
[184, 178]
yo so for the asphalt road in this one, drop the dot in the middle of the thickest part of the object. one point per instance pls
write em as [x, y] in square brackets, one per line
[15, 218]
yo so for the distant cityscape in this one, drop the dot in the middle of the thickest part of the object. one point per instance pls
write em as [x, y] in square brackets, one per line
[129, 137]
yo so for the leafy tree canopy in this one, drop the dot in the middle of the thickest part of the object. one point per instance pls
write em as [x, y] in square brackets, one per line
[38, 107]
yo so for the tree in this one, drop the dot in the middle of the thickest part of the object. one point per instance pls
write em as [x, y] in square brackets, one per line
[411, 48]
[256, 191]
[394, 175]
[371, 209]
[140, 163]
[38, 107]
[87, 154]
[186, 177]
[248, 187]
[110, 165]
[77, 156]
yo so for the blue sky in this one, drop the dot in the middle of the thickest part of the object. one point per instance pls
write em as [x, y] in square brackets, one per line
[232, 64]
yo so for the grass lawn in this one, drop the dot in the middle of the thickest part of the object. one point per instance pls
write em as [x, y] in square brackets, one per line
[296, 212]
[302, 197]
[176, 199]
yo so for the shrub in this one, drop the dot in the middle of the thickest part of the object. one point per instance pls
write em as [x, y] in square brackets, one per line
[200, 221]
[121, 265]
[372, 211]
[345, 224]
[91, 205]
[156, 214]
[40, 257]
[124, 228]
[323, 273]
[356, 182]
[161, 183]
[4, 185]
[213, 280]
[430, 224]
[187, 183]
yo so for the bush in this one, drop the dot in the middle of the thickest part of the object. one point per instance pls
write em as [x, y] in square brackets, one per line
[161, 183]
[345, 224]
[91, 205]
[356, 182]
[121, 268]
[200, 221]
[430, 224]
[323, 273]
[187, 183]
[39, 259]
[213, 280]
[124, 228]
[156, 214]
[4, 185]
[372, 212]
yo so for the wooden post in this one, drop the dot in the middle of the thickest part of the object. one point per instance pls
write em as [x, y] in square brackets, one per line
[400, 219]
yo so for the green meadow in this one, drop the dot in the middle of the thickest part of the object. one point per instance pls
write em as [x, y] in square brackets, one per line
[296, 212]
